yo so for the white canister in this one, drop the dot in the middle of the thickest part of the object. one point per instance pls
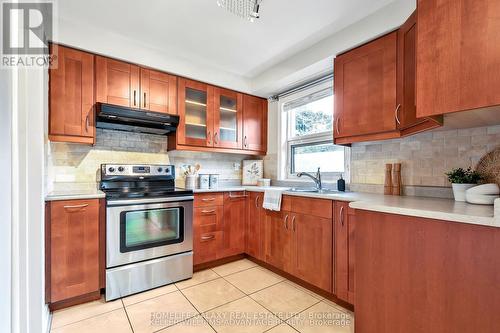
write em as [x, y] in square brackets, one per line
[204, 181]
[190, 182]
[214, 181]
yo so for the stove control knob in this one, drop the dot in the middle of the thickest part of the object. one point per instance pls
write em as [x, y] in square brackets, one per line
[121, 169]
[160, 169]
[167, 170]
[111, 169]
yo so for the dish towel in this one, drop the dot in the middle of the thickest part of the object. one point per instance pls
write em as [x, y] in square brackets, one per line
[272, 199]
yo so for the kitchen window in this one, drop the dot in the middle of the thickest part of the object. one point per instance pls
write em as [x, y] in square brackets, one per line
[307, 134]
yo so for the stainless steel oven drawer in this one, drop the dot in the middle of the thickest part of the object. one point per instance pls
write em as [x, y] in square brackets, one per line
[130, 279]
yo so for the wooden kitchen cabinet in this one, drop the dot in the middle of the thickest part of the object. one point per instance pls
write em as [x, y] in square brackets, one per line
[71, 96]
[278, 240]
[343, 260]
[409, 268]
[228, 119]
[312, 249]
[234, 224]
[375, 89]
[73, 261]
[207, 235]
[117, 82]
[458, 57]
[255, 226]
[254, 124]
[158, 91]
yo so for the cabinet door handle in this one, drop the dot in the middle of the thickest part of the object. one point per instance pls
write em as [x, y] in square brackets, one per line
[257, 201]
[337, 125]
[207, 237]
[87, 123]
[293, 223]
[396, 114]
[245, 142]
[231, 196]
[216, 140]
[75, 206]
[285, 222]
[209, 138]
[342, 215]
[208, 211]
[144, 99]
[135, 98]
[208, 199]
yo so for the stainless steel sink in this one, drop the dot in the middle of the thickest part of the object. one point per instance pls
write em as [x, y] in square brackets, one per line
[312, 190]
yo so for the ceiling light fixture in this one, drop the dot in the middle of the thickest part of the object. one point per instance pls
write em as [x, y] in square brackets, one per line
[248, 9]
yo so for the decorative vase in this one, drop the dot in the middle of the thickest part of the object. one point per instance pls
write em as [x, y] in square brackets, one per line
[459, 190]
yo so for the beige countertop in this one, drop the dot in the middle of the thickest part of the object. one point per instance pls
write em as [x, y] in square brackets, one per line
[434, 208]
[74, 191]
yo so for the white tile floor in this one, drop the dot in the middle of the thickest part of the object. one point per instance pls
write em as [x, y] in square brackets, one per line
[235, 297]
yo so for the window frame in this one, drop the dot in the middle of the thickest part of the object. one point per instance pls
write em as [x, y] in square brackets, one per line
[286, 142]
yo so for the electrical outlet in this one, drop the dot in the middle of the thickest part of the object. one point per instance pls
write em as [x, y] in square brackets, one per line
[236, 166]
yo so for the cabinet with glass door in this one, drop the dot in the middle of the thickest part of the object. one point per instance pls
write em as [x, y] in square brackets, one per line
[227, 118]
[196, 113]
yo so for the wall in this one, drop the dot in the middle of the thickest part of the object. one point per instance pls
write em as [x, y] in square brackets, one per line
[80, 163]
[5, 198]
[425, 157]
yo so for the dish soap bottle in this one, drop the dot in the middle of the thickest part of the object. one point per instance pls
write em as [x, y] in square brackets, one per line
[341, 184]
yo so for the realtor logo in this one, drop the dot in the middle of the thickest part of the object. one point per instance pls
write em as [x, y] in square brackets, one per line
[26, 29]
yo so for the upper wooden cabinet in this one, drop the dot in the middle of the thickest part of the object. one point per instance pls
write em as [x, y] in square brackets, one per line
[254, 123]
[158, 91]
[458, 57]
[72, 249]
[375, 89]
[117, 82]
[121, 83]
[219, 120]
[71, 96]
[228, 118]
[195, 108]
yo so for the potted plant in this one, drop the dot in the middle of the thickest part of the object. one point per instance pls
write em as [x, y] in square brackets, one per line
[461, 180]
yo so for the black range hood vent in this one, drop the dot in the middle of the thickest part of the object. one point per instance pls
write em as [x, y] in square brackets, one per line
[126, 119]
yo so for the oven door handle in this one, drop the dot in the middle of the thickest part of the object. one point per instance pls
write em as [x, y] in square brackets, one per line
[126, 202]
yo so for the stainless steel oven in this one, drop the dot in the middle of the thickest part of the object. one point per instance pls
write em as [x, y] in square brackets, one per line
[149, 228]
[143, 229]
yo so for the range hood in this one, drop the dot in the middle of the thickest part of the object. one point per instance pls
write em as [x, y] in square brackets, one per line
[126, 119]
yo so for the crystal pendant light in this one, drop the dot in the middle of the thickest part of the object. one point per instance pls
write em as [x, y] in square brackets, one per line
[248, 9]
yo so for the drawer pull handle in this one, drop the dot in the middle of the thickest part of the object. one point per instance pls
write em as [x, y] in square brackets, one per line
[208, 199]
[231, 196]
[208, 211]
[207, 237]
[75, 206]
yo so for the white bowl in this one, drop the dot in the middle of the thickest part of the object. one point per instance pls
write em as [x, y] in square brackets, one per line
[484, 189]
[480, 199]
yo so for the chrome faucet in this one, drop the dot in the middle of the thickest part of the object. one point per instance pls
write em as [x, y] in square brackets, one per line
[317, 179]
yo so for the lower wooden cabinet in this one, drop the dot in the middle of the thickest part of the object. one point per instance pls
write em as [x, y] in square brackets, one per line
[73, 260]
[278, 240]
[233, 238]
[207, 235]
[255, 226]
[344, 221]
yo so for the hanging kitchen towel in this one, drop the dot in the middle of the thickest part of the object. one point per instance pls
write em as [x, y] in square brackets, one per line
[272, 199]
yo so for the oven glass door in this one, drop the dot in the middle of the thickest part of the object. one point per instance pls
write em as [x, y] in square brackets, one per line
[147, 228]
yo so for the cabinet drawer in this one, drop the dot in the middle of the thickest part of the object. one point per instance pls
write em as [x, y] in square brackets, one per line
[206, 246]
[208, 219]
[208, 199]
[309, 206]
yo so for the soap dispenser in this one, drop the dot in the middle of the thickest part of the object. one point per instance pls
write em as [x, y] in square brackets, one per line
[341, 184]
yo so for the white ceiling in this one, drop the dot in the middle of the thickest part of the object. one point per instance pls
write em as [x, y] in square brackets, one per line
[202, 33]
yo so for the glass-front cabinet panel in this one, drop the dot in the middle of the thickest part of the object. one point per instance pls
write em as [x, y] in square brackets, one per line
[227, 118]
[196, 112]
[142, 229]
